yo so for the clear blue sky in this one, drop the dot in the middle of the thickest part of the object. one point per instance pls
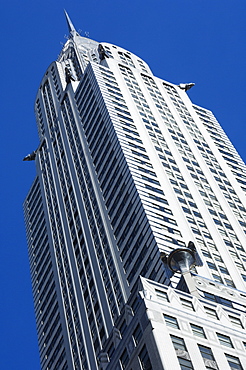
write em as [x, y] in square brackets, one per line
[200, 41]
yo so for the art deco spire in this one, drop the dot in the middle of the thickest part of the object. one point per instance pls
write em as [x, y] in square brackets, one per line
[71, 28]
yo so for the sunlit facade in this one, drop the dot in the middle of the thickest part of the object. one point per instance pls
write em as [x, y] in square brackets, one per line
[129, 169]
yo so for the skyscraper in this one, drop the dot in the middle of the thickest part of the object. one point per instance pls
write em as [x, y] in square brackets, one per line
[135, 221]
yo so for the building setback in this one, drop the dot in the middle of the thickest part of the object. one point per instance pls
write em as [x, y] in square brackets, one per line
[135, 222]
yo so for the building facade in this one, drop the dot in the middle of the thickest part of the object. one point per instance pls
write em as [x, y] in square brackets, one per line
[128, 170]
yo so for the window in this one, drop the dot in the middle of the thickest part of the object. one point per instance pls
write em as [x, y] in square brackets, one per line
[182, 354]
[206, 253]
[171, 321]
[217, 278]
[217, 222]
[177, 191]
[186, 210]
[162, 295]
[178, 343]
[224, 340]
[192, 204]
[233, 362]
[211, 265]
[235, 321]
[195, 231]
[123, 328]
[211, 312]
[144, 359]
[184, 186]
[181, 200]
[224, 301]
[197, 214]
[187, 304]
[185, 364]
[137, 334]
[208, 357]
[124, 359]
[244, 277]
[206, 235]
[197, 330]
[223, 270]
[212, 212]
[217, 257]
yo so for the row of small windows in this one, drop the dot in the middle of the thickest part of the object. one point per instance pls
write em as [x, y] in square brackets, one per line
[195, 140]
[67, 274]
[200, 173]
[199, 143]
[39, 118]
[151, 117]
[143, 356]
[181, 199]
[180, 348]
[227, 226]
[198, 330]
[47, 305]
[211, 312]
[224, 146]
[173, 167]
[97, 243]
[120, 221]
[206, 353]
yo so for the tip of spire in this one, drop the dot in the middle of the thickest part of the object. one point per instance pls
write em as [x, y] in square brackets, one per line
[71, 27]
